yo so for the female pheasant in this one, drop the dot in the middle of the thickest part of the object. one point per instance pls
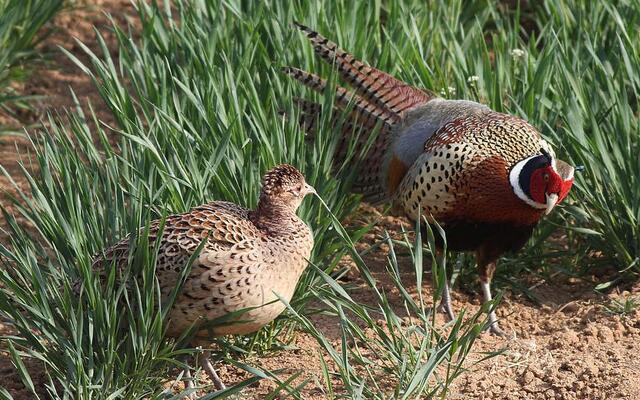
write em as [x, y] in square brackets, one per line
[486, 177]
[248, 258]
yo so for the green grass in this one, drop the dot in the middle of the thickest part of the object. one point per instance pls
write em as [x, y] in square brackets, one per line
[624, 306]
[21, 29]
[196, 96]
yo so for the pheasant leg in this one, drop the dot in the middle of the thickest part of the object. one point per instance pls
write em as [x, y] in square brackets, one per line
[208, 367]
[486, 267]
[189, 384]
[445, 302]
[493, 320]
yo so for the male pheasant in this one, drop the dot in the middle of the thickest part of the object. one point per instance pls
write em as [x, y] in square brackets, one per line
[248, 258]
[486, 177]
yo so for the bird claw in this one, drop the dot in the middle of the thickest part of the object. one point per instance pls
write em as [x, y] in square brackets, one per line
[496, 330]
[494, 327]
[446, 309]
[206, 365]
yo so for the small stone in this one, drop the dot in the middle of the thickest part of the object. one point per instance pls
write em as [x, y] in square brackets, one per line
[606, 334]
[591, 370]
[590, 331]
[618, 328]
[528, 377]
[536, 372]
[570, 308]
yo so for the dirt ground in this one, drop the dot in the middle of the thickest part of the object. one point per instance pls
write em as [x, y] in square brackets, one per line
[566, 348]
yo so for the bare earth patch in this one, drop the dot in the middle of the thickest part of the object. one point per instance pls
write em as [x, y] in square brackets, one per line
[567, 348]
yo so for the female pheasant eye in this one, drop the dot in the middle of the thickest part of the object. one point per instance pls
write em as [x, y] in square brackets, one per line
[296, 190]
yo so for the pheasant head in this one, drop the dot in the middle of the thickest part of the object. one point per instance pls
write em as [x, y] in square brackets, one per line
[541, 181]
[283, 189]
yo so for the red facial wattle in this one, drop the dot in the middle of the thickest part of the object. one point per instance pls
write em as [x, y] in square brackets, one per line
[565, 188]
[545, 181]
[537, 186]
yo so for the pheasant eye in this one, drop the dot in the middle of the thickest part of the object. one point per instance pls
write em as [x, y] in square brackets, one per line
[545, 177]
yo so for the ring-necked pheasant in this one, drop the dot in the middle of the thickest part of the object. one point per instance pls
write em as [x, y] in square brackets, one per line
[248, 257]
[486, 177]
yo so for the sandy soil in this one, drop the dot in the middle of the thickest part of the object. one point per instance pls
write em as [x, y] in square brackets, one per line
[566, 348]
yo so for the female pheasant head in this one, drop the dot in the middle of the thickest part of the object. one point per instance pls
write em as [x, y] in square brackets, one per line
[541, 181]
[284, 188]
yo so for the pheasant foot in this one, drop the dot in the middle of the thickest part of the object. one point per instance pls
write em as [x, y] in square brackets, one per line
[493, 319]
[493, 325]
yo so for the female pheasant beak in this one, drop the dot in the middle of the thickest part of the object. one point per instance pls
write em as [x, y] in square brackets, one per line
[552, 200]
[308, 189]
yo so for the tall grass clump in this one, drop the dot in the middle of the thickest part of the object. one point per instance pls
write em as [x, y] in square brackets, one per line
[391, 347]
[598, 87]
[21, 23]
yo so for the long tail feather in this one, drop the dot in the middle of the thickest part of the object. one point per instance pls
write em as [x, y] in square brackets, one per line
[344, 99]
[309, 115]
[375, 86]
[351, 128]
[354, 139]
[378, 101]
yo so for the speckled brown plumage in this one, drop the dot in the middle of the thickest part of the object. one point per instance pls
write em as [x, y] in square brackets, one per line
[486, 177]
[463, 172]
[247, 257]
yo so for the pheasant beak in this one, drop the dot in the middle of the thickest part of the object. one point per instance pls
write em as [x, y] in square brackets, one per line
[552, 200]
[308, 189]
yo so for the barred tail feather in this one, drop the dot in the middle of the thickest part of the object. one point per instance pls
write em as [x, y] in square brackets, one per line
[378, 100]
[344, 99]
[375, 86]
[309, 115]
[354, 139]
[361, 121]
